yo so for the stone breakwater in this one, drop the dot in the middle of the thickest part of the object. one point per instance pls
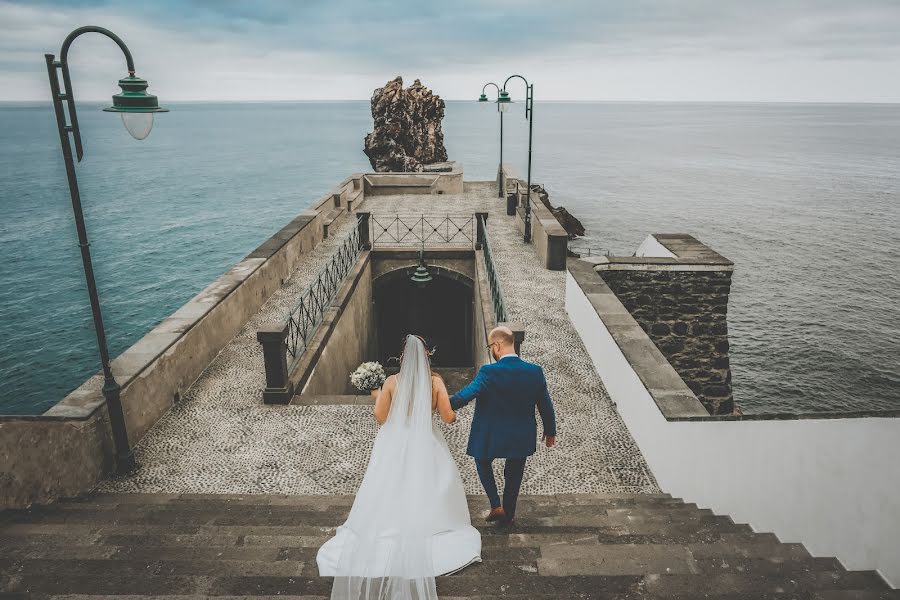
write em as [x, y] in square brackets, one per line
[685, 314]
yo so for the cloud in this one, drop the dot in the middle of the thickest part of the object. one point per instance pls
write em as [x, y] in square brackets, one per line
[578, 49]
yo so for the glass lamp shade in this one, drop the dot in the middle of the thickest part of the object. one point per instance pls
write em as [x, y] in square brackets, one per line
[136, 106]
[504, 106]
[138, 124]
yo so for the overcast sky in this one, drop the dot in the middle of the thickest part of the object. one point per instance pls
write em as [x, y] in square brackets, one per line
[693, 50]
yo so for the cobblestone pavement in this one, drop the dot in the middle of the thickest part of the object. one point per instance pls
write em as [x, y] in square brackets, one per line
[220, 438]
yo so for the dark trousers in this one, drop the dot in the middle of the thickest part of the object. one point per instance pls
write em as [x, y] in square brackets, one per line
[512, 474]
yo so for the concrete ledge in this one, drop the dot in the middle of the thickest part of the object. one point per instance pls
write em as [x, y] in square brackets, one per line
[672, 395]
[508, 179]
[668, 251]
[550, 239]
[43, 459]
[442, 178]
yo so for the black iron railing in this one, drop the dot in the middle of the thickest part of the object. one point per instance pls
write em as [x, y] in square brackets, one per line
[414, 230]
[493, 276]
[307, 314]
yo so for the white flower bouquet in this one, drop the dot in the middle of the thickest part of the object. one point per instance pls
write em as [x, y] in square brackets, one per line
[368, 376]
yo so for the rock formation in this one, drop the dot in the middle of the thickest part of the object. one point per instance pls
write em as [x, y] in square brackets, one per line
[407, 132]
[571, 224]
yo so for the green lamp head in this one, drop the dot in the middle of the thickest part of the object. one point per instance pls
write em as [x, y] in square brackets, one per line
[421, 277]
[136, 106]
[503, 101]
[483, 98]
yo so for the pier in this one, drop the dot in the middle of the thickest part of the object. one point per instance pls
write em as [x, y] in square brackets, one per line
[221, 438]
[250, 441]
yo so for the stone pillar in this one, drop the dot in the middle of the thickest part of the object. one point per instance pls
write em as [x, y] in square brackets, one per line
[273, 338]
[365, 239]
[682, 304]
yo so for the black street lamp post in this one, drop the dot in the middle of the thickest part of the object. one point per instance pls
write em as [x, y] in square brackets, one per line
[503, 102]
[137, 108]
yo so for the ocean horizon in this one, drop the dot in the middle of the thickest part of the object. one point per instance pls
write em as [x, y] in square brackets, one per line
[801, 196]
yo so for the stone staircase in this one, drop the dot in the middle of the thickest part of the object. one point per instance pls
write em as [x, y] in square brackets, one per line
[566, 546]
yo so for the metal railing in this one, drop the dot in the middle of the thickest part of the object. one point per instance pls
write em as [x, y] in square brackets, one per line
[414, 230]
[586, 249]
[309, 311]
[493, 276]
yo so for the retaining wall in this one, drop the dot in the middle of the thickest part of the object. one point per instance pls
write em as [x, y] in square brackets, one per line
[828, 481]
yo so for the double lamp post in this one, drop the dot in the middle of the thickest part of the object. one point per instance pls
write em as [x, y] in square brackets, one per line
[503, 101]
[137, 108]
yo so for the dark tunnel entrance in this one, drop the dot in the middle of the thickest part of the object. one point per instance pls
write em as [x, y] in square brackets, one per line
[441, 312]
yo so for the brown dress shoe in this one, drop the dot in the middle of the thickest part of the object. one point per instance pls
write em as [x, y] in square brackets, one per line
[496, 514]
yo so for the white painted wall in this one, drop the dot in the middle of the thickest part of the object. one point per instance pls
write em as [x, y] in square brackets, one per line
[831, 484]
[651, 248]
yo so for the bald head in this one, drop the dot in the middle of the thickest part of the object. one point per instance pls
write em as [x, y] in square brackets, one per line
[502, 341]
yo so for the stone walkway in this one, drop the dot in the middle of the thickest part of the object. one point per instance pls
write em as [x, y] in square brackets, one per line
[220, 438]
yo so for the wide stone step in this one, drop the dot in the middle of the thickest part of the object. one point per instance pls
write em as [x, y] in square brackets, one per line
[347, 500]
[523, 583]
[626, 546]
[189, 518]
[820, 595]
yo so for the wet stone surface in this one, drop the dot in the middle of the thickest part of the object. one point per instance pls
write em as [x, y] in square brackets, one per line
[221, 438]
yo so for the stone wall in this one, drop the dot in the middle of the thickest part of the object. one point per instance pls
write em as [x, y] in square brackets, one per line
[350, 336]
[682, 304]
[684, 313]
[42, 459]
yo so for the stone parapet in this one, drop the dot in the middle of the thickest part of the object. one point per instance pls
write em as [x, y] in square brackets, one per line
[444, 178]
[68, 449]
[681, 302]
[550, 239]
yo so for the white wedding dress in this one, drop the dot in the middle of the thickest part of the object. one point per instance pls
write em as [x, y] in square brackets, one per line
[409, 521]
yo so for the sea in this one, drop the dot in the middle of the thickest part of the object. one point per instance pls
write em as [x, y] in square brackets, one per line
[804, 198]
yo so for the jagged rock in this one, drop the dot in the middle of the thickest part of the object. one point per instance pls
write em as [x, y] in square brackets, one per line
[569, 222]
[407, 132]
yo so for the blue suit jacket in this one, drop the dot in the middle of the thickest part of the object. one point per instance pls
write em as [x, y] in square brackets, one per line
[504, 425]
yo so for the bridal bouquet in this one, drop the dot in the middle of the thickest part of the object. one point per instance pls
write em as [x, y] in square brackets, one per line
[368, 376]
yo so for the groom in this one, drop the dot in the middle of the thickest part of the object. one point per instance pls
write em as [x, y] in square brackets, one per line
[504, 425]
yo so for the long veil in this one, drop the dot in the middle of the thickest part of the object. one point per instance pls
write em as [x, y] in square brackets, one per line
[387, 551]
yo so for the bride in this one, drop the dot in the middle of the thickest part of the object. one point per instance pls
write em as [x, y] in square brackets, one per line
[410, 520]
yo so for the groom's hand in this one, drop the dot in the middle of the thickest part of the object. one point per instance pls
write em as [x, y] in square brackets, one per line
[549, 440]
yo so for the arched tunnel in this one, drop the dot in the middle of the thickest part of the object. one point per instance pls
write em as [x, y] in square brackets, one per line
[441, 311]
